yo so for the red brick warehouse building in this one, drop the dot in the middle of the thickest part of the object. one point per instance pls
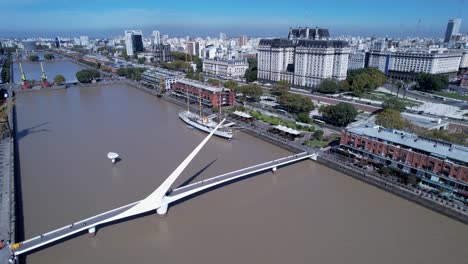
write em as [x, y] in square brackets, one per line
[435, 163]
[210, 95]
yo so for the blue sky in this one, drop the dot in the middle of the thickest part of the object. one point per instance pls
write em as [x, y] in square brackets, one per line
[208, 17]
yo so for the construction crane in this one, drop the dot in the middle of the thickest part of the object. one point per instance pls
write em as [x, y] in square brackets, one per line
[25, 83]
[44, 83]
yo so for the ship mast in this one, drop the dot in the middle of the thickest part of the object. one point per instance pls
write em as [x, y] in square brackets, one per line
[220, 100]
[199, 102]
[188, 101]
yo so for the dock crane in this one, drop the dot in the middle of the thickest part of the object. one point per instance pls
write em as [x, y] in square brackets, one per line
[25, 83]
[44, 83]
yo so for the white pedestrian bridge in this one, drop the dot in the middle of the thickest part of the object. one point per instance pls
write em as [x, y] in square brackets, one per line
[157, 201]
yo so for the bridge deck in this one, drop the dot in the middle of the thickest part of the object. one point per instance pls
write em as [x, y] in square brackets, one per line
[208, 183]
[68, 230]
[176, 194]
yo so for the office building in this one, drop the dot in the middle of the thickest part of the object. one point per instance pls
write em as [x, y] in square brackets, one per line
[57, 42]
[210, 96]
[243, 40]
[133, 41]
[405, 65]
[158, 79]
[356, 60]
[436, 164]
[453, 28]
[225, 68]
[304, 59]
[464, 61]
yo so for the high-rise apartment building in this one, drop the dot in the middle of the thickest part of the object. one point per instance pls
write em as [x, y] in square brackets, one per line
[156, 37]
[243, 40]
[304, 59]
[222, 36]
[133, 41]
[162, 53]
[193, 48]
[453, 27]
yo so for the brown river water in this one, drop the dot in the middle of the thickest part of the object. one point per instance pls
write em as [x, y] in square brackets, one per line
[304, 213]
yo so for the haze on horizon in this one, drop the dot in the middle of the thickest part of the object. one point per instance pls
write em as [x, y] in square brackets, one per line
[104, 18]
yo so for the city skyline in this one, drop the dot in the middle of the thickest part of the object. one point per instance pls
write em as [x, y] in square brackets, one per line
[259, 18]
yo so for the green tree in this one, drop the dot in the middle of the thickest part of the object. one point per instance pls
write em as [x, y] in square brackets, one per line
[364, 80]
[49, 56]
[303, 117]
[231, 84]
[199, 63]
[281, 87]
[141, 60]
[395, 104]
[86, 76]
[33, 57]
[251, 75]
[252, 63]
[125, 55]
[295, 103]
[214, 82]
[177, 55]
[431, 82]
[390, 118]
[318, 134]
[329, 86]
[122, 72]
[252, 91]
[339, 115]
[59, 79]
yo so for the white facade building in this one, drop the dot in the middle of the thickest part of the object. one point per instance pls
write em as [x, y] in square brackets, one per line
[304, 59]
[84, 40]
[464, 60]
[225, 68]
[413, 62]
[156, 37]
[357, 60]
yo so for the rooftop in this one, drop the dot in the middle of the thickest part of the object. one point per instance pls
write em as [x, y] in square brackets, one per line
[287, 130]
[438, 149]
[203, 86]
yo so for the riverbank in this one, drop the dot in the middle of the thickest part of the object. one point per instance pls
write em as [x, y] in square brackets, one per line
[8, 210]
[414, 195]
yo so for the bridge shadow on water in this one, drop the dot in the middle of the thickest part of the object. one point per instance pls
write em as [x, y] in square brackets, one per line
[32, 130]
[193, 177]
[224, 184]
